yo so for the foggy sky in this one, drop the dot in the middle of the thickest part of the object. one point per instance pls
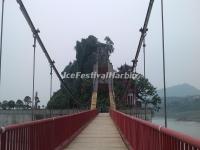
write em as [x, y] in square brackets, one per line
[63, 22]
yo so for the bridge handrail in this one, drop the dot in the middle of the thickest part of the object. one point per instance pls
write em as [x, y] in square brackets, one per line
[140, 134]
[44, 134]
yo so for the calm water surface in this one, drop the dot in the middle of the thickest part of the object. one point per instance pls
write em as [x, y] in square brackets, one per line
[13, 119]
[188, 127]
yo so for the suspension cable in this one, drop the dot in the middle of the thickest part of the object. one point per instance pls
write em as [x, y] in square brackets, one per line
[144, 46]
[33, 88]
[51, 80]
[144, 54]
[143, 31]
[163, 50]
[1, 42]
[33, 29]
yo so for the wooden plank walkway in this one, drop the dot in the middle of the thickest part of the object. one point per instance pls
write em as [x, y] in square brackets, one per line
[100, 134]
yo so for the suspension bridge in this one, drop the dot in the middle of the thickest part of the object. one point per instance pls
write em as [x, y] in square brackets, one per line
[90, 129]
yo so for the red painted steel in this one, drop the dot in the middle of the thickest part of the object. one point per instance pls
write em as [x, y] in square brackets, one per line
[45, 134]
[144, 135]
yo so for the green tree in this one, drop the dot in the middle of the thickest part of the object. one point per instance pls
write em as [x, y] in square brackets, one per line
[145, 91]
[109, 45]
[27, 101]
[86, 51]
[5, 105]
[58, 101]
[86, 57]
[19, 104]
[11, 104]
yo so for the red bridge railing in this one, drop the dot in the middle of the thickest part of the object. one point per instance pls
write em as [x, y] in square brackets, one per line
[47, 134]
[144, 135]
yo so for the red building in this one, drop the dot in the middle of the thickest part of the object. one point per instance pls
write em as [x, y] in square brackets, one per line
[131, 99]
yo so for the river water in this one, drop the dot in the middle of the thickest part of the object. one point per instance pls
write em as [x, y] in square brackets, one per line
[188, 127]
[13, 119]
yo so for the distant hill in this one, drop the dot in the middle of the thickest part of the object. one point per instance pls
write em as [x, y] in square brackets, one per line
[183, 102]
[182, 108]
[182, 90]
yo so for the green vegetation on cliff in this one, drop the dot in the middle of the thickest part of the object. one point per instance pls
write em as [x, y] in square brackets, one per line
[86, 57]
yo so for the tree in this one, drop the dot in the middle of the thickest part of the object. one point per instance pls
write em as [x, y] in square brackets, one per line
[86, 57]
[109, 45]
[27, 101]
[11, 104]
[4, 104]
[86, 51]
[19, 104]
[58, 101]
[145, 91]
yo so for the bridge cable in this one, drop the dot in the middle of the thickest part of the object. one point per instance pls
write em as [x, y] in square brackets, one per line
[51, 80]
[143, 31]
[144, 49]
[1, 42]
[144, 55]
[33, 88]
[33, 29]
[163, 50]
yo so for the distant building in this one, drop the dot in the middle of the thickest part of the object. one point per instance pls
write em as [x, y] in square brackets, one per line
[131, 99]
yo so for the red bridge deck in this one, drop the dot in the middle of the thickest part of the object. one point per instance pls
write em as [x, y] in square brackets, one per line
[56, 133]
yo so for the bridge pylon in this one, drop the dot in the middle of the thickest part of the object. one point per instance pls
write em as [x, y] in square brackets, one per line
[103, 66]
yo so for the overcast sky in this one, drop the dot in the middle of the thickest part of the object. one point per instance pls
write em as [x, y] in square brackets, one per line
[63, 22]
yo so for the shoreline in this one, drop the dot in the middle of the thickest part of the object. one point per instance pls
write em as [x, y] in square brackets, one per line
[187, 119]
